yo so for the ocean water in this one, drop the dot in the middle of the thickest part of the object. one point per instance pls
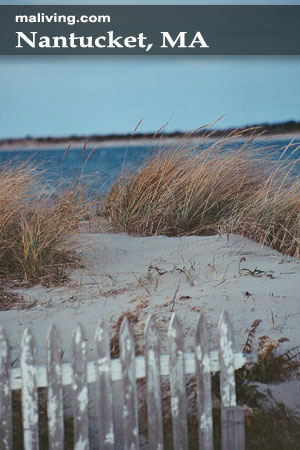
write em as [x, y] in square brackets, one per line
[106, 162]
[102, 168]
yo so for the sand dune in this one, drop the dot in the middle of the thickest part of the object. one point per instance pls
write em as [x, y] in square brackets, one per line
[142, 274]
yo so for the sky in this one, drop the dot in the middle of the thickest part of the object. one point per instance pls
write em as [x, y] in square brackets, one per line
[68, 95]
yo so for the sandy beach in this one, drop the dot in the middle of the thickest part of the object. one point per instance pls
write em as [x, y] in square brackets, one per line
[159, 275]
[140, 141]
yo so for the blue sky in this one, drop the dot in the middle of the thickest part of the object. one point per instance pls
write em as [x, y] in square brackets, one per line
[42, 96]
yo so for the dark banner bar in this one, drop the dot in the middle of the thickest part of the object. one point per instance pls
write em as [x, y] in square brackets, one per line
[149, 30]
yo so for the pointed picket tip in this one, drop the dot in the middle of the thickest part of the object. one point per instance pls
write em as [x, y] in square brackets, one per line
[201, 326]
[150, 328]
[102, 339]
[3, 335]
[101, 331]
[224, 319]
[27, 339]
[149, 323]
[78, 334]
[125, 326]
[4, 358]
[53, 336]
[202, 341]
[52, 333]
[125, 331]
[126, 340]
[53, 346]
[173, 318]
[27, 346]
[175, 330]
[152, 347]
[79, 346]
[4, 345]
[27, 334]
[225, 327]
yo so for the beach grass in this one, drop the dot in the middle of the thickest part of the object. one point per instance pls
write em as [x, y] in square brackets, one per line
[183, 191]
[175, 192]
[36, 225]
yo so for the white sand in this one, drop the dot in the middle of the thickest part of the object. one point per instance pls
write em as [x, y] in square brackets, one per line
[209, 271]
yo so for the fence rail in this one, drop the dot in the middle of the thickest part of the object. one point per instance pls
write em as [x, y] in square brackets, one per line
[128, 368]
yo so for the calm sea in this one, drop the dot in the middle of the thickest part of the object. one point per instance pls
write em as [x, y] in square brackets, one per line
[106, 162]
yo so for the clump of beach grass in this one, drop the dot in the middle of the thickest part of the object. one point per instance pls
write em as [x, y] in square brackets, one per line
[222, 188]
[36, 225]
[271, 216]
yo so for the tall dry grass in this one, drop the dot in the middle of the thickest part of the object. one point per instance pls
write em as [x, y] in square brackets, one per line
[271, 216]
[182, 191]
[36, 225]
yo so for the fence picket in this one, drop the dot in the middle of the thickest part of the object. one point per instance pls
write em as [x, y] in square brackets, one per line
[233, 428]
[5, 394]
[104, 388]
[231, 415]
[203, 379]
[130, 408]
[154, 403]
[29, 393]
[227, 377]
[55, 395]
[178, 386]
[80, 391]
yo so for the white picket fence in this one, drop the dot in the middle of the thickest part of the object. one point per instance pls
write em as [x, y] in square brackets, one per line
[128, 368]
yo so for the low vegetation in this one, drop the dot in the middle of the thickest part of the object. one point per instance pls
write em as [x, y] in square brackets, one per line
[36, 225]
[273, 365]
[183, 191]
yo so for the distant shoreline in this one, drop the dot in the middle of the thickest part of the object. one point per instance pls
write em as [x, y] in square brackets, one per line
[123, 140]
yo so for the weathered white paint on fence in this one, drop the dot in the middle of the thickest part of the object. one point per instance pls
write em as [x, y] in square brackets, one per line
[80, 391]
[130, 408]
[116, 368]
[178, 385]
[154, 403]
[227, 378]
[55, 396]
[203, 379]
[104, 388]
[5, 394]
[232, 417]
[128, 368]
[29, 393]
